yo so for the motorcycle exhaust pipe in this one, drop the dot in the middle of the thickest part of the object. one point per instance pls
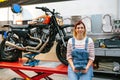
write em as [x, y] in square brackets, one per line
[26, 48]
[41, 48]
[13, 45]
[7, 43]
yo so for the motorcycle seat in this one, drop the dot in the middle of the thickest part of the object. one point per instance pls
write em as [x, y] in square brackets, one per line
[39, 25]
[19, 26]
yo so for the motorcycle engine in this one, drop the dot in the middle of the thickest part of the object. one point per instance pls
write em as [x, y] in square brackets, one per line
[45, 33]
[33, 30]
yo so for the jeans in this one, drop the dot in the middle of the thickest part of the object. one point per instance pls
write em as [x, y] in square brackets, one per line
[78, 75]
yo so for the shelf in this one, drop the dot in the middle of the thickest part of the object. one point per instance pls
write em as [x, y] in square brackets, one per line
[108, 72]
[113, 52]
[106, 55]
[111, 49]
[103, 33]
[97, 34]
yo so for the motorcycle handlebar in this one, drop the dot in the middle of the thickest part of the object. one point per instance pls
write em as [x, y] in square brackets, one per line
[67, 25]
[45, 9]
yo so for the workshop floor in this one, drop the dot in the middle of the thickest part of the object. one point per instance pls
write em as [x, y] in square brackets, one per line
[7, 74]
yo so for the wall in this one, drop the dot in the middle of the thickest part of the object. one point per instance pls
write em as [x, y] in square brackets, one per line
[119, 9]
[66, 8]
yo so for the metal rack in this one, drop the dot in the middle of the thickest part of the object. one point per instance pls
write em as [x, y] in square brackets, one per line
[109, 56]
[42, 72]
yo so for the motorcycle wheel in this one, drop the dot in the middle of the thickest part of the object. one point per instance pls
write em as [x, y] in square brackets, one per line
[8, 53]
[61, 51]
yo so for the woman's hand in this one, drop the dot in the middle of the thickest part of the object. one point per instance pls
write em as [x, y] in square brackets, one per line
[72, 65]
[75, 69]
[84, 71]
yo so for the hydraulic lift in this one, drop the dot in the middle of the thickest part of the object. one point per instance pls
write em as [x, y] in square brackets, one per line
[42, 72]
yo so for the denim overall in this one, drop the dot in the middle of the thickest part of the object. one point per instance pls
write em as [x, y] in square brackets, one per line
[80, 60]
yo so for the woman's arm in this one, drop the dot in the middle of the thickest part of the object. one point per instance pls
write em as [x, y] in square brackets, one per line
[70, 61]
[69, 56]
[90, 62]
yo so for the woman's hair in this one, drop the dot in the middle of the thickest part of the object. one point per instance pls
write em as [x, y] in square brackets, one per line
[75, 26]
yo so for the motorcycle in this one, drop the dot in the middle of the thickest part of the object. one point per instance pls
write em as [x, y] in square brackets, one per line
[37, 38]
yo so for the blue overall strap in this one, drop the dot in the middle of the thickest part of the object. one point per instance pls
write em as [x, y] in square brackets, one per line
[86, 43]
[73, 43]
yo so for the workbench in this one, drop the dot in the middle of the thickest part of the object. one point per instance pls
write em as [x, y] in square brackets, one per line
[42, 72]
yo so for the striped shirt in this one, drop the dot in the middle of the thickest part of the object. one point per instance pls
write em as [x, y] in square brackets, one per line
[80, 44]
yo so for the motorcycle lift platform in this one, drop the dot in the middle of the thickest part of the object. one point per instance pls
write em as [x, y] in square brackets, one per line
[42, 71]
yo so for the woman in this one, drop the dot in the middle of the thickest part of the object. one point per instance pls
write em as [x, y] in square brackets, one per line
[79, 35]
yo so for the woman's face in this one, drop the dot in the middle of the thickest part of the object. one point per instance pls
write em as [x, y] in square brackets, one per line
[80, 29]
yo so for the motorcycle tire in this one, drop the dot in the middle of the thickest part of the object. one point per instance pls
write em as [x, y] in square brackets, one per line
[61, 51]
[9, 54]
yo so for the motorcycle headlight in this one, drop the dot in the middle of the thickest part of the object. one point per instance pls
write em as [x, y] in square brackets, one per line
[59, 20]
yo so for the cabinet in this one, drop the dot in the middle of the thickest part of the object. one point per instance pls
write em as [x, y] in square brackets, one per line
[105, 59]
